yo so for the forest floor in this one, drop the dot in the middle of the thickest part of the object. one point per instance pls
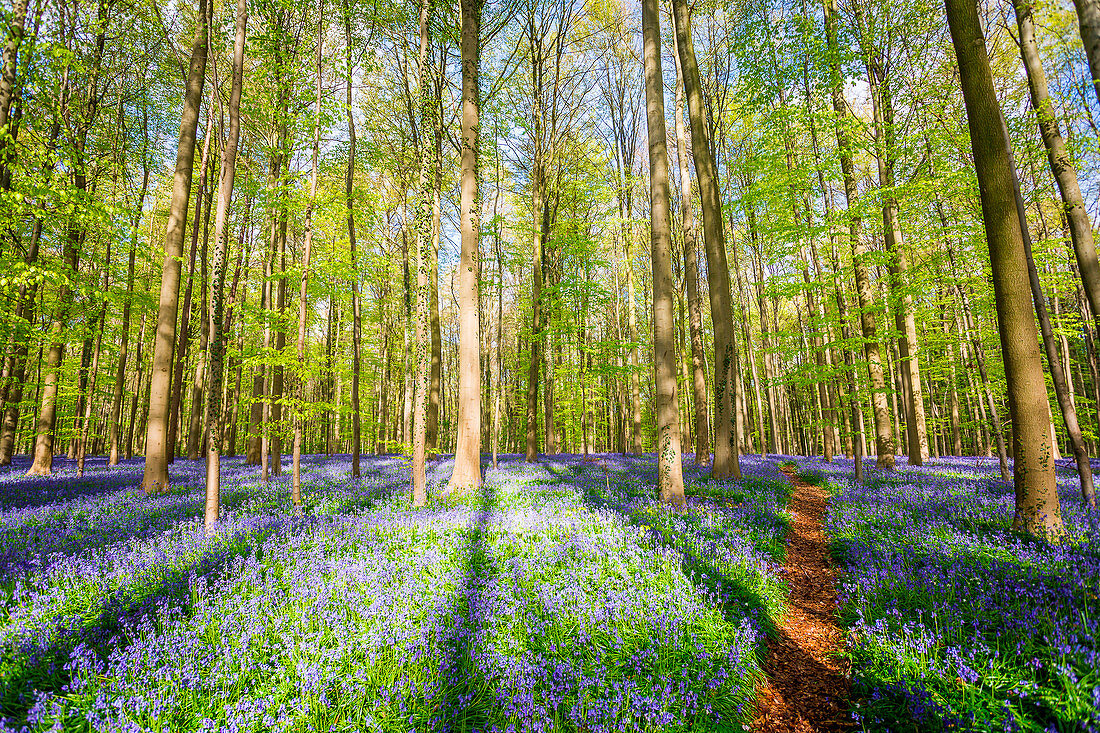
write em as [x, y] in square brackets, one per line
[807, 685]
[562, 597]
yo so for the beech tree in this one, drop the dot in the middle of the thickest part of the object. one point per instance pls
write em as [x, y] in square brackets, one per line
[156, 438]
[1037, 508]
[217, 292]
[726, 462]
[670, 479]
[466, 476]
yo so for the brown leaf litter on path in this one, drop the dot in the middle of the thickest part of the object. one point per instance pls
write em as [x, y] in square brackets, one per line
[807, 685]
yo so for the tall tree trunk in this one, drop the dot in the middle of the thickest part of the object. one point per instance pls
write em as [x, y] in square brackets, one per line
[466, 476]
[726, 462]
[99, 321]
[1061, 166]
[549, 363]
[436, 362]
[1037, 509]
[635, 367]
[884, 439]
[349, 197]
[498, 352]
[423, 239]
[303, 289]
[217, 302]
[670, 479]
[1062, 391]
[538, 175]
[329, 379]
[124, 340]
[904, 318]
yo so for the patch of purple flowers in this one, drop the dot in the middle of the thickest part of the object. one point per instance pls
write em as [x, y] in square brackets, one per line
[956, 622]
[561, 598]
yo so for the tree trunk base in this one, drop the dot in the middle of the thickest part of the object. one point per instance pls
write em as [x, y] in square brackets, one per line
[39, 469]
[1039, 524]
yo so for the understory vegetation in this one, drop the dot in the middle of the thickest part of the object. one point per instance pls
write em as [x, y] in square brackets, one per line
[562, 598]
[956, 621]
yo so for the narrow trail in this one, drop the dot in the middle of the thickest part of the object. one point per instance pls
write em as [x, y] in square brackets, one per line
[807, 685]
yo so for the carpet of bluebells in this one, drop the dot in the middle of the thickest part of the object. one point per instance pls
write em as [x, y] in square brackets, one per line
[956, 622]
[562, 597]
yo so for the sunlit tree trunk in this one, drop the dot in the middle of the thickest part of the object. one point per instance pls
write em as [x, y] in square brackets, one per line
[467, 469]
[349, 198]
[421, 358]
[436, 354]
[670, 479]
[329, 377]
[537, 194]
[884, 438]
[303, 289]
[1062, 391]
[726, 463]
[1037, 509]
[498, 352]
[217, 293]
[156, 436]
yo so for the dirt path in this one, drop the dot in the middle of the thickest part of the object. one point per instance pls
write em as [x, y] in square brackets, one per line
[807, 686]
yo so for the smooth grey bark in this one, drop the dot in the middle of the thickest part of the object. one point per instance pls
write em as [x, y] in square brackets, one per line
[726, 451]
[212, 507]
[1037, 509]
[466, 476]
[670, 479]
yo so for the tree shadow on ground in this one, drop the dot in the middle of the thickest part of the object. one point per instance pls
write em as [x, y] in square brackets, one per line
[48, 524]
[734, 594]
[464, 707]
[18, 491]
[36, 660]
[35, 537]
